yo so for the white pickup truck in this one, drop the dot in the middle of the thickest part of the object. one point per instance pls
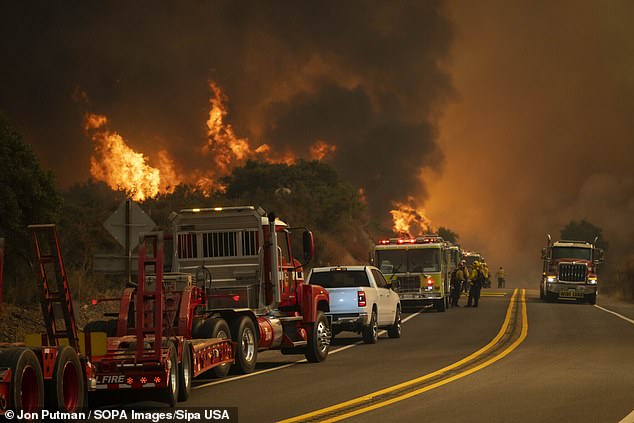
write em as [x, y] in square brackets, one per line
[361, 301]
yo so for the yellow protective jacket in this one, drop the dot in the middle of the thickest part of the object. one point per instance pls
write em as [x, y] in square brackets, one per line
[501, 274]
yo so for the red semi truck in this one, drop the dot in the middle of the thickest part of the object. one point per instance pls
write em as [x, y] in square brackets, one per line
[234, 289]
[244, 260]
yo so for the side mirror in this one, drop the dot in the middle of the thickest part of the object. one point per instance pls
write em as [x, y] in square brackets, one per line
[544, 253]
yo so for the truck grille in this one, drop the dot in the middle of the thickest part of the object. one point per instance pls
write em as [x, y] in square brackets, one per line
[408, 284]
[572, 272]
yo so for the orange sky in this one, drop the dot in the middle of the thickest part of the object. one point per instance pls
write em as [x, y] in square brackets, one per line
[542, 130]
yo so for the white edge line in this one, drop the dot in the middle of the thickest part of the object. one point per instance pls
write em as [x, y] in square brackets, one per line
[617, 315]
[629, 418]
[347, 347]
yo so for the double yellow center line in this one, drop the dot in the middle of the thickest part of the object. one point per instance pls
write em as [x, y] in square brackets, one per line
[511, 335]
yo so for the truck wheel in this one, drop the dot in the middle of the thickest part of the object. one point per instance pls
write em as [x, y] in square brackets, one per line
[591, 299]
[371, 331]
[319, 341]
[185, 373]
[27, 382]
[246, 344]
[67, 388]
[215, 327]
[440, 305]
[170, 392]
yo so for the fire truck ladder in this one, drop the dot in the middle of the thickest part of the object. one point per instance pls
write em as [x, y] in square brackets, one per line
[149, 303]
[53, 298]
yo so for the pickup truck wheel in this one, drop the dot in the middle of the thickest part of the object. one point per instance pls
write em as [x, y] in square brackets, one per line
[371, 331]
[319, 340]
[215, 327]
[185, 373]
[395, 330]
[246, 344]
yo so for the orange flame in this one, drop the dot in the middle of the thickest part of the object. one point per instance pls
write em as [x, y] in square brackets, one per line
[321, 149]
[409, 220]
[119, 166]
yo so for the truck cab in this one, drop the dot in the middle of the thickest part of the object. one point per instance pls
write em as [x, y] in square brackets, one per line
[570, 271]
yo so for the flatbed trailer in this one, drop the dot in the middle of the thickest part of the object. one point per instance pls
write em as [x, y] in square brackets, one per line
[149, 346]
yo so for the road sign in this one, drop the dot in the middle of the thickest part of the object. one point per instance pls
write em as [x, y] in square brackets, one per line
[137, 222]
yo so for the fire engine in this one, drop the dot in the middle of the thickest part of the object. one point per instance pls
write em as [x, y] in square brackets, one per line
[570, 271]
[417, 269]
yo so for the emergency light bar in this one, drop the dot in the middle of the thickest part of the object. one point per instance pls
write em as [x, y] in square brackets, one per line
[427, 239]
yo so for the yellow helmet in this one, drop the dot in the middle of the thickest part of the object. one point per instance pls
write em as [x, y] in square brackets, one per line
[476, 264]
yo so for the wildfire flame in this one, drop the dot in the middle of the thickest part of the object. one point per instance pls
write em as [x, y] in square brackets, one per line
[321, 149]
[121, 167]
[117, 164]
[408, 219]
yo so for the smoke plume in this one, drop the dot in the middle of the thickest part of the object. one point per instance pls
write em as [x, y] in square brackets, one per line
[366, 77]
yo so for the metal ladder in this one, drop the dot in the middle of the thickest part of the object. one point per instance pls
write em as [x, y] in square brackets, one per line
[150, 302]
[53, 296]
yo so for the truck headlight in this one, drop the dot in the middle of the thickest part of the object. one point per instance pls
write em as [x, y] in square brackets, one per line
[551, 279]
[592, 281]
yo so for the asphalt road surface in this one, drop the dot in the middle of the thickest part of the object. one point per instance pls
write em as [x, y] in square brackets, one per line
[514, 358]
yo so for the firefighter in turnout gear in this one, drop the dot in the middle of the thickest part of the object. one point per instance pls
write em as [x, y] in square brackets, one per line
[458, 278]
[477, 281]
[501, 274]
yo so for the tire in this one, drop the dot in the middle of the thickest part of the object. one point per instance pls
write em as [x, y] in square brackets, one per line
[215, 327]
[371, 331]
[170, 393]
[67, 389]
[395, 330]
[591, 299]
[185, 373]
[319, 340]
[27, 381]
[440, 305]
[244, 335]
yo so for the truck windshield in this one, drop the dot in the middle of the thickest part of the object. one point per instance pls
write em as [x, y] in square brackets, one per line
[572, 253]
[340, 279]
[418, 260]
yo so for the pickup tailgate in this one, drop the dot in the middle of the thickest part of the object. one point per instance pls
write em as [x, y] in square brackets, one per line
[343, 300]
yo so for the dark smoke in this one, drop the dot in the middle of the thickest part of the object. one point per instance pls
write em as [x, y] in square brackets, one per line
[364, 75]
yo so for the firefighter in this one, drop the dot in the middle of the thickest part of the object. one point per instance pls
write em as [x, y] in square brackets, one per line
[501, 276]
[477, 280]
[485, 270]
[458, 279]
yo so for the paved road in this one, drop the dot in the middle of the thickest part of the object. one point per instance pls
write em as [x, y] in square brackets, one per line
[551, 362]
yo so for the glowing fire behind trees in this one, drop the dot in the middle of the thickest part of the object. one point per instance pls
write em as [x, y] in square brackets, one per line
[121, 167]
[409, 220]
